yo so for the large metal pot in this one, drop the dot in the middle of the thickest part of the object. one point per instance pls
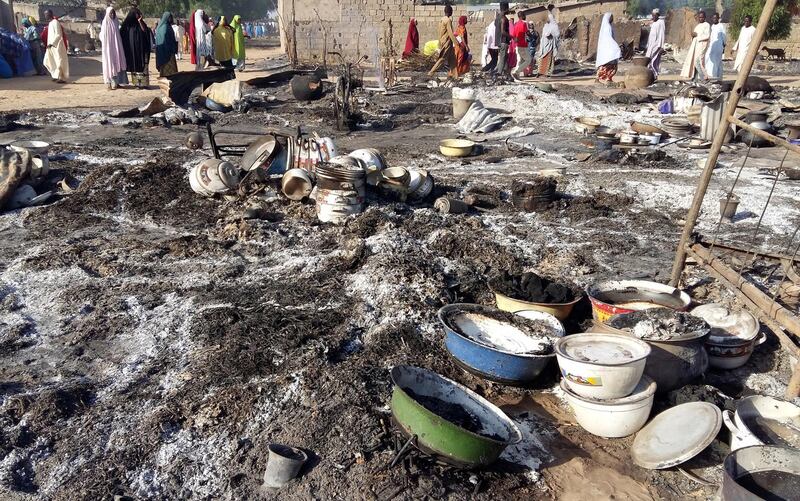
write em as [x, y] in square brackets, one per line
[674, 363]
[761, 472]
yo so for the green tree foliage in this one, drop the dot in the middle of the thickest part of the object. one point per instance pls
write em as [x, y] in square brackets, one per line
[780, 24]
[248, 9]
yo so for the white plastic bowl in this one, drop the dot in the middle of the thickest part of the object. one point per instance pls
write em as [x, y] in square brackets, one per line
[601, 366]
[614, 418]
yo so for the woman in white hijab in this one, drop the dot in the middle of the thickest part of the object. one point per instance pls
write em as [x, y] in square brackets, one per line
[549, 44]
[114, 64]
[608, 52]
[201, 31]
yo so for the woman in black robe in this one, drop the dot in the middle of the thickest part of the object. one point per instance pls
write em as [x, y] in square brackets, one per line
[136, 43]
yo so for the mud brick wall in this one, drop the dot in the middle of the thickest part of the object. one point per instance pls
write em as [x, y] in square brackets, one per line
[361, 27]
[357, 27]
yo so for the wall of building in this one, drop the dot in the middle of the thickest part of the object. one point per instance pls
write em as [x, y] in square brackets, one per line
[362, 27]
[24, 9]
[6, 15]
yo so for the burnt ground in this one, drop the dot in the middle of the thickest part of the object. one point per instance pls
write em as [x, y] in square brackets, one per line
[154, 341]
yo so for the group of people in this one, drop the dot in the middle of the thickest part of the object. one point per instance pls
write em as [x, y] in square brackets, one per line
[511, 48]
[704, 57]
[212, 43]
[126, 47]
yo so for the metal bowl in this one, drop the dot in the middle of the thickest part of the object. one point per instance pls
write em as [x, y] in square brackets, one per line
[496, 361]
[439, 436]
[456, 147]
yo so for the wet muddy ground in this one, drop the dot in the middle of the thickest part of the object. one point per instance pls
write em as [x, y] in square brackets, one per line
[153, 342]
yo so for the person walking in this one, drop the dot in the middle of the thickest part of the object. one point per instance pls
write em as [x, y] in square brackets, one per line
[447, 43]
[743, 43]
[55, 58]
[166, 46]
[463, 56]
[608, 51]
[180, 37]
[223, 43]
[551, 38]
[655, 43]
[694, 67]
[489, 53]
[113, 54]
[35, 43]
[238, 42]
[716, 48]
[521, 39]
[136, 44]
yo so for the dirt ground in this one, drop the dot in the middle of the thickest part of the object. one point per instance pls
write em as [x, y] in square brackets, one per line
[154, 342]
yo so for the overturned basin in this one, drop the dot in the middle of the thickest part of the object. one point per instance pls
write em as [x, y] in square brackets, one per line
[498, 345]
[450, 421]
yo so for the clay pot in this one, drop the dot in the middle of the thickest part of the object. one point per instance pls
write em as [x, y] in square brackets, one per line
[641, 61]
[306, 87]
[638, 77]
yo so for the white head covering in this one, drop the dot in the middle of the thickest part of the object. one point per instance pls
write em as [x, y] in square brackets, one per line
[113, 54]
[607, 48]
[198, 26]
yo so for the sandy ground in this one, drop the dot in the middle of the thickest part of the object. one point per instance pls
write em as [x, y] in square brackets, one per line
[153, 341]
[86, 89]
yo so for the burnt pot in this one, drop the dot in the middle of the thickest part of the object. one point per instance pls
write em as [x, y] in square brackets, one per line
[306, 87]
[758, 459]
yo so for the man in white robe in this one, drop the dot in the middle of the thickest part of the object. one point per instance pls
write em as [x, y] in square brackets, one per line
[744, 41]
[655, 43]
[716, 48]
[55, 58]
[694, 65]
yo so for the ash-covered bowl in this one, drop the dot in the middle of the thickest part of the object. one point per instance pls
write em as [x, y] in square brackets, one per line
[661, 324]
[530, 292]
[498, 345]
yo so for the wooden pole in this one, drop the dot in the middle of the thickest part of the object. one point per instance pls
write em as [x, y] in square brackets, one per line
[719, 139]
[765, 135]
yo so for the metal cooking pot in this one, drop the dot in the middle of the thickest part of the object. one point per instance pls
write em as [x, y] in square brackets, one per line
[755, 460]
[259, 153]
[751, 139]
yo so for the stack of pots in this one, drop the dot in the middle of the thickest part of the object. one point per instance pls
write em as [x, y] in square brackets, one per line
[341, 189]
[604, 382]
[40, 164]
[214, 176]
[409, 184]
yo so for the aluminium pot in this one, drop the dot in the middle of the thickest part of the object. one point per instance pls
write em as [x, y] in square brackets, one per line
[762, 420]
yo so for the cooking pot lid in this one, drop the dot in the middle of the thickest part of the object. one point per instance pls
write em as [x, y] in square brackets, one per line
[676, 435]
[259, 153]
[728, 326]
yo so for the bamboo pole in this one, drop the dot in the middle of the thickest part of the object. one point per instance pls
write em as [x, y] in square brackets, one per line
[719, 139]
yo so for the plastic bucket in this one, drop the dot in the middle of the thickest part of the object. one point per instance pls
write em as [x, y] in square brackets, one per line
[727, 207]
